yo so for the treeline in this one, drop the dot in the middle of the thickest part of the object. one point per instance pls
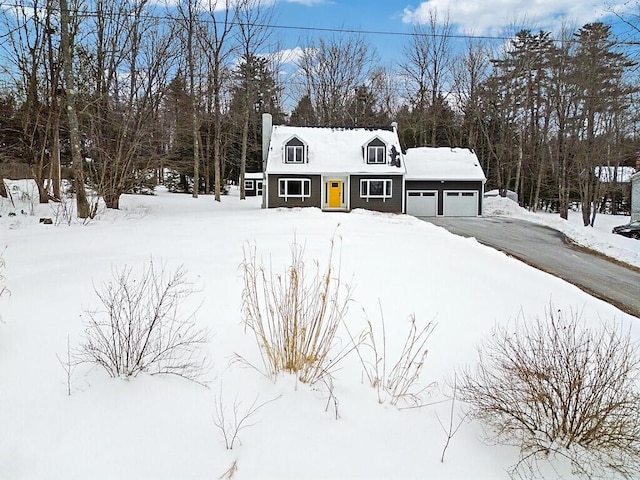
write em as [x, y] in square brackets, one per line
[121, 94]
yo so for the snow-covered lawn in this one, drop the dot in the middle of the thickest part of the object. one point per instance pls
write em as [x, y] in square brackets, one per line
[154, 427]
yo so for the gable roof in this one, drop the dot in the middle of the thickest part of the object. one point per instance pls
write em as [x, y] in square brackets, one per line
[442, 163]
[332, 150]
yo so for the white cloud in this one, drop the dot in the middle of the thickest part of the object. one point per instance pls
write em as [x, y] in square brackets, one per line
[288, 56]
[493, 16]
[308, 3]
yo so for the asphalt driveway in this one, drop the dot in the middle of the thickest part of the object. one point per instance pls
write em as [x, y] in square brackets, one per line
[550, 251]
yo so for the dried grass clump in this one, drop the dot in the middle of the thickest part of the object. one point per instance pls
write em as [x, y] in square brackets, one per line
[295, 315]
[557, 389]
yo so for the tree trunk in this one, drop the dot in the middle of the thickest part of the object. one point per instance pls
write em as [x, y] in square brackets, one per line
[243, 153]
[82, 203]
[112, 200]
[55, 159]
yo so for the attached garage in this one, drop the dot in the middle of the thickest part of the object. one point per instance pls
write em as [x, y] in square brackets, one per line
[460, 204]
[422, 203]
[443, 182]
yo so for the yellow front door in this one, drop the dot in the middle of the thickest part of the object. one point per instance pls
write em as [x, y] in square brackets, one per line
[335, 194]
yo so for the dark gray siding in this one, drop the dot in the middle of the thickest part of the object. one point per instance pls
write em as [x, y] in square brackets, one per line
[392, 205]
[440, 187]
[314, 201]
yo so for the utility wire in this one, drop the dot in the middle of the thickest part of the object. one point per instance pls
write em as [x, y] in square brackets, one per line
[304, 28]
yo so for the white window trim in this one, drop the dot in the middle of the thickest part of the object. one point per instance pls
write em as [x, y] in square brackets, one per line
[248, 184]
[372, 158]
[286, 195]
[299, 153]
[387, 188]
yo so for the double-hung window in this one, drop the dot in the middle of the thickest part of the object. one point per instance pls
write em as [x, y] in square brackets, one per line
[376, 152]
[248, 184]
[294, 151]
[378, 188]
[294, 188]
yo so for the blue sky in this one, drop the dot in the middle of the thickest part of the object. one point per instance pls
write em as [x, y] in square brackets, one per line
[475, 17]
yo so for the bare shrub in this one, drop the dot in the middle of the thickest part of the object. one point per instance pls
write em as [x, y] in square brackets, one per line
[141, 327]
[399, 380]
[231, 423]
[295, 315]
[556, 389]
[451, 428]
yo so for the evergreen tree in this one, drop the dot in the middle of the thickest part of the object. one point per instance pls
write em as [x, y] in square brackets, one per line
[303, 115]
[253, 80]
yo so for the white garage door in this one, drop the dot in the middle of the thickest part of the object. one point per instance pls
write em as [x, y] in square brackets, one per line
[422, 203]
[460, 204]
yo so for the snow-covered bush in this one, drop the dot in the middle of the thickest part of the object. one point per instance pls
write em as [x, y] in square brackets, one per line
[295, 315]
[557, 389]
[141, 327]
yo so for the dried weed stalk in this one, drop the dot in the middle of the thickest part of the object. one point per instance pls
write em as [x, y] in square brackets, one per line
[399, 380]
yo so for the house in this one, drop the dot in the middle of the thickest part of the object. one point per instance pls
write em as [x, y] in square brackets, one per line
[635, 196]
[335, 169]
[339, 169]
[443, 181]
[253, 183]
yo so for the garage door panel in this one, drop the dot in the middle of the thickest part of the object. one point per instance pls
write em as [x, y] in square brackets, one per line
[421, 203]
[460, 204]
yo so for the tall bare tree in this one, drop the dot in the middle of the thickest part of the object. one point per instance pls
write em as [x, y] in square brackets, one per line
[428, 71]
[253, 17]
[68, 29]
[332, 69]
[133, 62]
[190, 18]
[216, 41]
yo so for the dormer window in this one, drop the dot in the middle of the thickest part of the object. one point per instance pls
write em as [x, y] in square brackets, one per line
[294, 151]
[376, 151]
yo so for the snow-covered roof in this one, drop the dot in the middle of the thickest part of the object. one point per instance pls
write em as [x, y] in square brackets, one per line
[332, 150]
[442, 163]
[606, 174]
[253, 175]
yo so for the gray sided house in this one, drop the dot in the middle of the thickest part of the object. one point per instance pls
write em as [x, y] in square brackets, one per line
[334, 169]
[253, 183]
[635, 197]
[443, 181]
